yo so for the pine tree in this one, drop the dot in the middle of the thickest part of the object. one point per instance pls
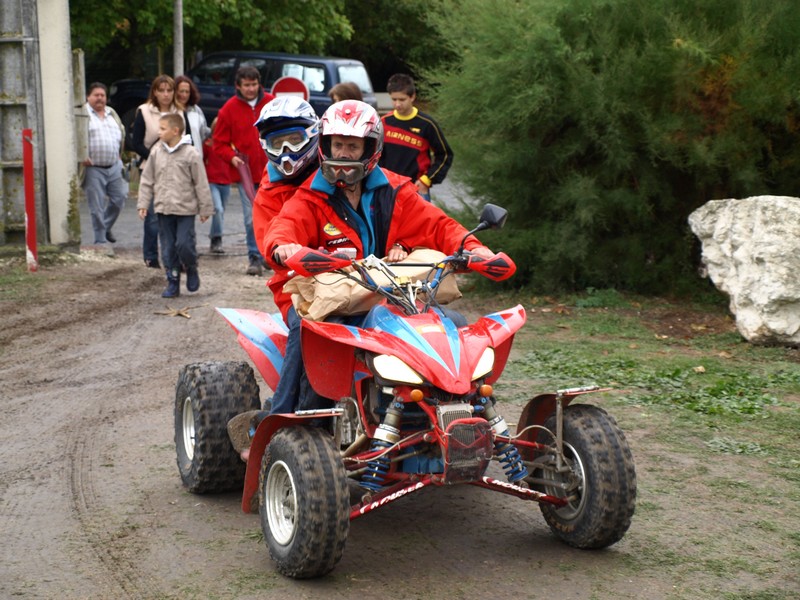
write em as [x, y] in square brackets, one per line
[601, 124]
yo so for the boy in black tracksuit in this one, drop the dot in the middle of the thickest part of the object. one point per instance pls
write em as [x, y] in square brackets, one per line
[414, 145]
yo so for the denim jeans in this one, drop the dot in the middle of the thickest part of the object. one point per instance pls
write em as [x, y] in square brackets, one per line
[150, 241]
[247, 214]
[219, 194]
[294, 391]
[178, 241]
[287, 392]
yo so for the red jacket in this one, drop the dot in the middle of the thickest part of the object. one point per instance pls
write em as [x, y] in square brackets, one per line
[217, 170]
[311, 218]
[234, 129]
[271, 197]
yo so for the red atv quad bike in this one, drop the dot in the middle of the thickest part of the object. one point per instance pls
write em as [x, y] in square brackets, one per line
[413, 406]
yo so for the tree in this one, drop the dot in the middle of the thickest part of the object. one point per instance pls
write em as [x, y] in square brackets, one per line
[275, 25]
[602, 124]
[391, 37]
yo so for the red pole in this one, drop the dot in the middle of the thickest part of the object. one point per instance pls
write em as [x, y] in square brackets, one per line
[31, 253]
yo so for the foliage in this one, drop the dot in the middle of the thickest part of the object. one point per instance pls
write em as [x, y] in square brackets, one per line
[728, 445]
[391, 37]
[727, 392]
[275, 25]
[602, 124]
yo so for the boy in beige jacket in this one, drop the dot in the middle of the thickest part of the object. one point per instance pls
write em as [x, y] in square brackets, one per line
[175, 175]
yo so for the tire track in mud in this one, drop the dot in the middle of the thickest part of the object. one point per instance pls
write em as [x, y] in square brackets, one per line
[117, 537]
[81, 348]
[120, 570]
[83, 304]
[110, 534]
[82, 485]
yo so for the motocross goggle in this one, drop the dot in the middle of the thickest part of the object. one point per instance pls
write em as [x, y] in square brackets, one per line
[343, 173]
[292, 139]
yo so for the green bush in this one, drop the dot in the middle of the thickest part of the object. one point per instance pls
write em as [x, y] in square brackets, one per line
[602, 124]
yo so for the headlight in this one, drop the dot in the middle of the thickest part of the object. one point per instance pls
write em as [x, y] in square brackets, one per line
[392, 368]
[484, 365]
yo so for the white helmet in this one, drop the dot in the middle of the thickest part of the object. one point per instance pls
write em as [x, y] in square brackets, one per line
[289, 132]
[351, 118]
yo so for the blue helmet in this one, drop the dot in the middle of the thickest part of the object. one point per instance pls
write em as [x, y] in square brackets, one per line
[289, 132]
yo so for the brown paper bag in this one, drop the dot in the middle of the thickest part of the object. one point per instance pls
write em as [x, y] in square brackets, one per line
[317, 297]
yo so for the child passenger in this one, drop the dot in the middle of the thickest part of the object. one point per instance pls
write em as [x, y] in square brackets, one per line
[175, 176]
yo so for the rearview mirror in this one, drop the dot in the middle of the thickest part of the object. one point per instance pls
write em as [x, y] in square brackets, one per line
[494, 216]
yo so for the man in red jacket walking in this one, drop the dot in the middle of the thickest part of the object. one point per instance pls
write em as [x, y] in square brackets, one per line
[236, 141]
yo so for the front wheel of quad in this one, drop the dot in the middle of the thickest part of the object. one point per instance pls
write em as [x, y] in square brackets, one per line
[600, 484]
[207, 396]
[304, 502]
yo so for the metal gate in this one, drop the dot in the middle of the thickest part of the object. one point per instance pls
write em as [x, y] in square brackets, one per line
[20, 108]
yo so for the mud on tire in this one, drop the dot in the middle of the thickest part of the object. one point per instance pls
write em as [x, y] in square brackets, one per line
[207, 396]
[304, 502]
[601, 506]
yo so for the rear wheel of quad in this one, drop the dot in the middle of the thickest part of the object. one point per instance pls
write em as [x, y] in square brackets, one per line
[304, 502]
[602, 482]
[207, 396]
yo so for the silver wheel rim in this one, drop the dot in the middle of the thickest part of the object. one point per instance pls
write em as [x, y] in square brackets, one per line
[575, 505]
[188, 428]
[281, 503]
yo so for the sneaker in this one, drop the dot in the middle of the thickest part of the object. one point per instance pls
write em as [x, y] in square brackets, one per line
[216, 245]
[152, 263]
[192, 279]
[255, 268]
[110, 237]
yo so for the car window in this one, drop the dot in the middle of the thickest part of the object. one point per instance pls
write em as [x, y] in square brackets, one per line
[312, 76]
[357, 74]
[259, 63]
[214, 71]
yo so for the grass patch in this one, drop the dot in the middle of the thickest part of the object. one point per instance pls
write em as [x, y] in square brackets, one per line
[712, 373]
[16, 282]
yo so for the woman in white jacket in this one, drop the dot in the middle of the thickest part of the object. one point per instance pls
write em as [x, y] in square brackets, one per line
[187, 94]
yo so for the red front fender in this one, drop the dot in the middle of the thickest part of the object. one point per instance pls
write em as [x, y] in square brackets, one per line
[538, 410]
[266, 429]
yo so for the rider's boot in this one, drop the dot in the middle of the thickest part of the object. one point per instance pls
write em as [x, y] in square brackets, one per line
[242, 428]
[173, 289]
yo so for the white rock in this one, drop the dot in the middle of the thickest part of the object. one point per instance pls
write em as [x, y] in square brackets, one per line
[751, 251]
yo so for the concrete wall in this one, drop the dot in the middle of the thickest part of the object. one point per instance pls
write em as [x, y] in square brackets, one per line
[59, 122]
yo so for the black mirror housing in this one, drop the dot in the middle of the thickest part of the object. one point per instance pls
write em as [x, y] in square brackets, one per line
[494, 216]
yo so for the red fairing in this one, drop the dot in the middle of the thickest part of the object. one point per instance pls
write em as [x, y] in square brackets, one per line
[501, 328]
[263, 336]
[497, 268]
[443, 356]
